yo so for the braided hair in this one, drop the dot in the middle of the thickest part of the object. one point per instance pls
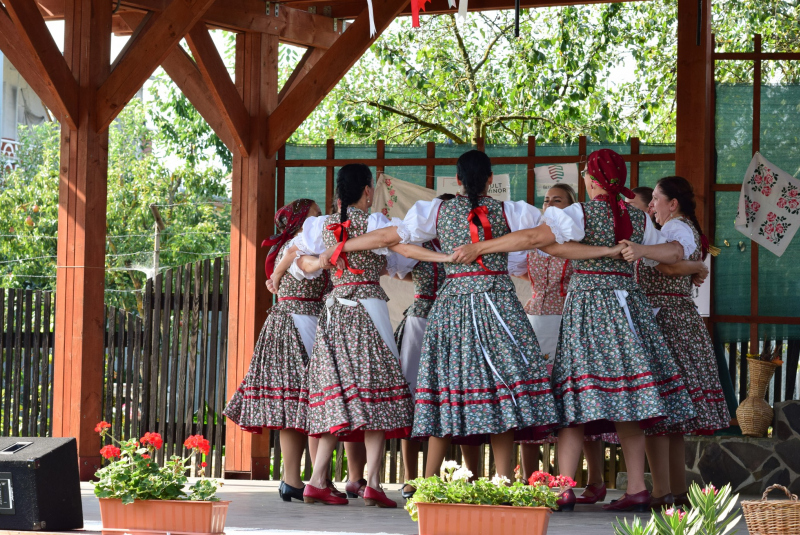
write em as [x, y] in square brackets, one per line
[350, 183]
[679, 189]
[474, 169]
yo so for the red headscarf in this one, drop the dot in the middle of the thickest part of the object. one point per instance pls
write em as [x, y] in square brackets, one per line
[288, 220]
[608, 169]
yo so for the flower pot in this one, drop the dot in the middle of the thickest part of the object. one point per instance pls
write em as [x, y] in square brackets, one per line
[163, 516]
[754, 413]
[458, 519]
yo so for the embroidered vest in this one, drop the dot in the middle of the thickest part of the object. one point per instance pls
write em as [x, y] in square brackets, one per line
[428, 278]
[664, 291]
[301, 296]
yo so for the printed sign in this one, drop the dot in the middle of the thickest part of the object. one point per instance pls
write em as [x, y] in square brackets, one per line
[549, 175]
[499, 190]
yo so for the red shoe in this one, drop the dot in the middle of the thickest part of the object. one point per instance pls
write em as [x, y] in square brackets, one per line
[639, 502]
[566, 502]
[336, 492]
[598, 494]
[667, 500]
[378, 497]
[682, 500]
[355, 489]
[313, 494]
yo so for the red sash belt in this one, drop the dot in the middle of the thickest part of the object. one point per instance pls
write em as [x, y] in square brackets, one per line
[364, 283]
[428, 297]
[340, 233]
[617, 273]
[477, 274]
[309, 299]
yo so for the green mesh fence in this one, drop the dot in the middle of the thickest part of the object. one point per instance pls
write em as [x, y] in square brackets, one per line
[778, 283]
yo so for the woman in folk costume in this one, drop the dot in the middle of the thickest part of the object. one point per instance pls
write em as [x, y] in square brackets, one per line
[271, 394]
[481, 371]
[686, 335]
[613, 369]
[356, 389]
[549, 276]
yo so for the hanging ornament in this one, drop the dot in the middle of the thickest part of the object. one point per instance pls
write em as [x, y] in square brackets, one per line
[516, 18]
[416, 5]
[462, 10]
[372, 30]
[451, 3]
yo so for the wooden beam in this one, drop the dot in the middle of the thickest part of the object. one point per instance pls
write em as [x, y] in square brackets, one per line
[150, 44]
[303, 67]
[220, 85]
[44, 56]
[184, 72]
[335, 63]
[20, 59]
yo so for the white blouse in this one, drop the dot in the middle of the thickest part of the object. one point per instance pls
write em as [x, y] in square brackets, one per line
[419, 226]
[679, 231]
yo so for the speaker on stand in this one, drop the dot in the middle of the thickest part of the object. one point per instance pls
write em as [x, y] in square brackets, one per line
[39, 484]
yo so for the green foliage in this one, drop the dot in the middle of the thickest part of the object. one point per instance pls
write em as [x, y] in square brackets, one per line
[135, 476]
[455, 487]
[712, 513]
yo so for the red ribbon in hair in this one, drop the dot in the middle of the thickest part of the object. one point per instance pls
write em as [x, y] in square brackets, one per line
[482, 214]
[608, 170]
[288, 220]
[340, 233]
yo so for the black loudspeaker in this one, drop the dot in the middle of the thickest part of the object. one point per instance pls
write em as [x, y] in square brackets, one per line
[39, 484]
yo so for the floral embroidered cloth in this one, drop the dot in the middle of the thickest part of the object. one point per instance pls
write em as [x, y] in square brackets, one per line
[769, 205]
[394, 197]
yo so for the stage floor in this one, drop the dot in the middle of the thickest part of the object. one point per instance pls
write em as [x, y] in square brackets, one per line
[257, 510]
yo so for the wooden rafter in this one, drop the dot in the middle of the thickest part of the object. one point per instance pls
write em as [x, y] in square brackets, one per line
[149, 46]
[42, 54]
[327, 72]
[306, 63]
[220, 85]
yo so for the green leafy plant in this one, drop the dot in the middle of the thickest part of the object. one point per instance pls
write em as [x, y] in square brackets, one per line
[456, 487]
[712, 513]
[133, 475]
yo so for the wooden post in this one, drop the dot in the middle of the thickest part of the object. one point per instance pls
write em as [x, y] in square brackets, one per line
[756, 147]
[380, 153]
[280, 195]
[78, 351]
[694, 115]
[252, 213]
[430, 169]
[634, 181]
[330, 153]
[531, 197]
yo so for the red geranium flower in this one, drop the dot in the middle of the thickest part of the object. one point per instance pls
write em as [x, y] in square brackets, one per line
[145, 456]
[199, 443]
[101, 427]
[110, 452]
[203, 464]
[153, 439]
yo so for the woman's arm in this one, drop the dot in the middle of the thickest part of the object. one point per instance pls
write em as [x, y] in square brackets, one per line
[664, 253]
[282, 267]
[684, 268]
[377, 239]
[581, 251]
[418, 253]
[521, 240]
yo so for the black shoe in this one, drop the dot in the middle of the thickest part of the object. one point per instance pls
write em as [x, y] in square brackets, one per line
[287, 492]
[406, 494]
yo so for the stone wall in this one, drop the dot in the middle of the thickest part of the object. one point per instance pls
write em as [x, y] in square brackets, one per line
[750, 465]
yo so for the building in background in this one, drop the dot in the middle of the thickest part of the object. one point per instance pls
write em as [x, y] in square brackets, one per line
[19, 106]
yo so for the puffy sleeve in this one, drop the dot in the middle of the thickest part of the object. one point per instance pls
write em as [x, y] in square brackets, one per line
[378, 221]
[419, 225]
[309, 240]
[679, 231]
[521, 215]
[398, 265]
[651, 235]
[567, 224]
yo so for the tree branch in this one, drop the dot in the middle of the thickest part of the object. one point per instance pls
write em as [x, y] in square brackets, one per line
[413, 118]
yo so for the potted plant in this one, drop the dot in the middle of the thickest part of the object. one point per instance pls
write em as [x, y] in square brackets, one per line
[754, 414]
[711, 513]
[137, 495]
[454, 505]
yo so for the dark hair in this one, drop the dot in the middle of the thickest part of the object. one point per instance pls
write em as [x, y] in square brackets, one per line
[350, 183]
[645, 193]
[679, 189]
[446, 196]
[566, 188]
[474, 169]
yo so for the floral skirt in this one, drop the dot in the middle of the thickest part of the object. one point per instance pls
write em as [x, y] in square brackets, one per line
[354, 380]
[605, 373]
[474, 378]
[272, 394]
[690, 344]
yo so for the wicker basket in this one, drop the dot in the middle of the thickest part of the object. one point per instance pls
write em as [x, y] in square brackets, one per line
[773, 518]
[754, 413]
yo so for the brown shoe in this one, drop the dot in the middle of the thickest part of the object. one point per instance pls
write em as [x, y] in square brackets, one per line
[667, 500]
[682, 500]
[355, 489]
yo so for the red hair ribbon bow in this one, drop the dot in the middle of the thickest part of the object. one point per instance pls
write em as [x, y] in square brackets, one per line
[340, 233]
[482, 214]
